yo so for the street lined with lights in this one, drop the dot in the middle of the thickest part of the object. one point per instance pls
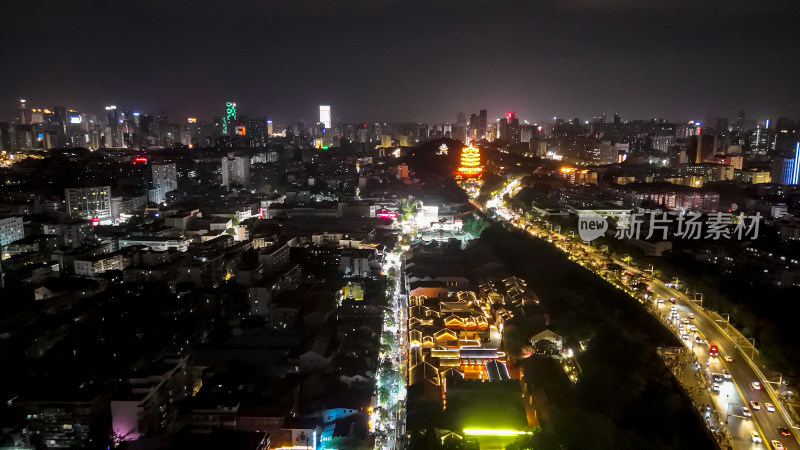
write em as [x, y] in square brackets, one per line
[727, 375]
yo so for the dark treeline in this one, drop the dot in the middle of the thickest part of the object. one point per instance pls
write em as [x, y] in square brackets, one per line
[626, 398]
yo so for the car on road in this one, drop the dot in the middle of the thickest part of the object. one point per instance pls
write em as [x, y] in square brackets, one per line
[698, 340]
[755, 385]
[769, 406]
[755, 437]
[717, 377]
[691, 316]
[776, 444]
[693, 327]
[727, 375]
[728, 358]
[755, 406]
[746, 411]
[685, 321]
[715, 387]
[784, 431]
[672, 300]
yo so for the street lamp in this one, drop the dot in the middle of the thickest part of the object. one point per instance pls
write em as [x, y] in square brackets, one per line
[695, 298]
[727, 321]
[750, 345]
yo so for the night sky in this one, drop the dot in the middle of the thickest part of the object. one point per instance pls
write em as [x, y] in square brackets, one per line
[386, 60]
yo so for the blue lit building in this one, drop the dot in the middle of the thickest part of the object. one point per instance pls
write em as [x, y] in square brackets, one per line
[787, 170]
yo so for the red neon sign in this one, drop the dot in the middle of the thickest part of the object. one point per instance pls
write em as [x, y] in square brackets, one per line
[387, 215]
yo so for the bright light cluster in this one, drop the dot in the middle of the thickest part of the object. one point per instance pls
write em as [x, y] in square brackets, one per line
[470, 162]
[488, 432]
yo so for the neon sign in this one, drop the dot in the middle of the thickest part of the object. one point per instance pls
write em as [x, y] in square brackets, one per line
[387, 214]
[230, 113]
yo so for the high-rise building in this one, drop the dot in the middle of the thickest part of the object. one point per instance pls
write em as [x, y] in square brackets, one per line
[606, 153]
[325, 115]
[461, 119]
[502, 129]
[538, 148]
[701, 146]
[787, 170]
[472, 127]
[89, 202]
[482, 116]
[740, 119]
[269, 128]
[235, 170]
[11, 229]
[8, 141]
[461, 123]
[112, 134]
[786, 136]
[513, 129]
[24, 115]
[165, 176]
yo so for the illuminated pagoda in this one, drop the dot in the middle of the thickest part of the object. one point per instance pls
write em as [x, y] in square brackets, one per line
[470, 162]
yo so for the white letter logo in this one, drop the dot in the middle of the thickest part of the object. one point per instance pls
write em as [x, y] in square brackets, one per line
[591, 225]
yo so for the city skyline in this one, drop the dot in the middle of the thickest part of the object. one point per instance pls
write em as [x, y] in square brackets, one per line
[571, 58]
[334, 119]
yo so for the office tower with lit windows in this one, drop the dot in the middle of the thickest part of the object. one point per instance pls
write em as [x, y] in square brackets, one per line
[89, 202]
[325, 116]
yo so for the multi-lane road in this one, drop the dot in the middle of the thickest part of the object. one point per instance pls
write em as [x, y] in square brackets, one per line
[737, 391]
[734, 392]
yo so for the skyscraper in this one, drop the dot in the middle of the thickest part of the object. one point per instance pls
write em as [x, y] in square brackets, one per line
[24, 115]
[482, 124]
[461, 124]
[701, 146]
[112, 136]
[472, 127]
[325, 115]
[787, 170]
